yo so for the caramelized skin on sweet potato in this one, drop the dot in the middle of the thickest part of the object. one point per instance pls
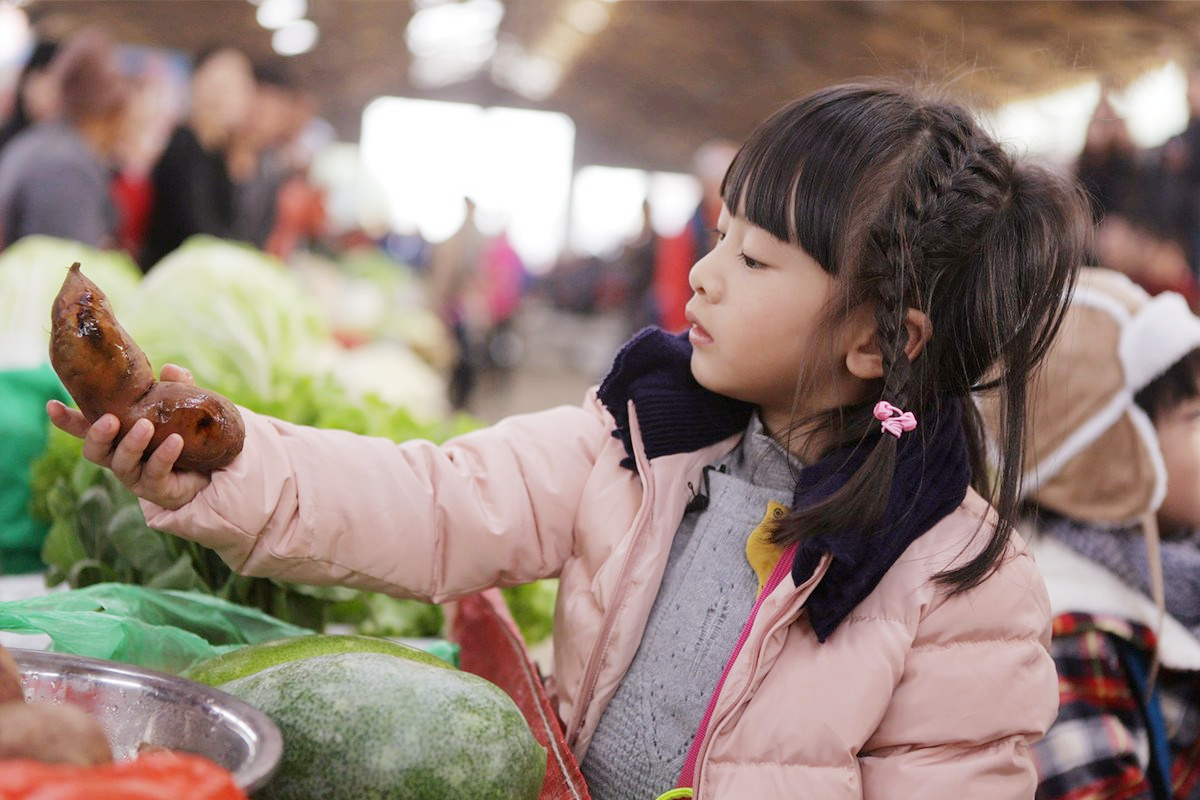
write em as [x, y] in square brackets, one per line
[10, 679]
[54, 733]
[105, 371]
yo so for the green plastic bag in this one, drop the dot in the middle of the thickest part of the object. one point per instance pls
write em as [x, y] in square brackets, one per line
[160, 629]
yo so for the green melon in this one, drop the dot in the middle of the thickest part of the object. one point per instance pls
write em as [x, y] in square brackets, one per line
[370, 725]
[256, 657]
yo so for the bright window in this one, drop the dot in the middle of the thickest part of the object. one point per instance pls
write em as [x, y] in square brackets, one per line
[515, 164]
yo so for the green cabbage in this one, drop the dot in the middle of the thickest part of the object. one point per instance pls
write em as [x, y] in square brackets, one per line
[233, 315]
[32, 271]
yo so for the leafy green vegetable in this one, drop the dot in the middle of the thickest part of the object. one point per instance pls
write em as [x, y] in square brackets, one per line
[31, 273]
[236, 317]
[247, 328]
[532, 607]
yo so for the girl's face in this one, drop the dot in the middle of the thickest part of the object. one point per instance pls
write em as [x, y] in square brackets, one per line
[1179, 437]
[755, 310]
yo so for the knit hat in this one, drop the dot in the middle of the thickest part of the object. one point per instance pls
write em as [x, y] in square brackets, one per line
[1093, 454]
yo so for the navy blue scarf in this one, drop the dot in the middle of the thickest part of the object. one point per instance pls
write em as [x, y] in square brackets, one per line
[678, 415]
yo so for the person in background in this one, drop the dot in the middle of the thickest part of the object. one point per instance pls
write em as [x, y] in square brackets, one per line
[454, 287]
[301, 219]
[1135, 198]
[637, 266]
[36, 96]
[777, 576]
[55, 176]
[192, 190]
[675, 255]
[143, 142]
[1114, 520]
[1107, 165]
[258, 155]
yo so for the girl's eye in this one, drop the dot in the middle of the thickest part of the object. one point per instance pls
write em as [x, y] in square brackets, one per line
[717, 233]
[750, 262]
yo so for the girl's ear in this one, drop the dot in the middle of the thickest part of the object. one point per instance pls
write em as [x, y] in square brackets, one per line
[863, 358]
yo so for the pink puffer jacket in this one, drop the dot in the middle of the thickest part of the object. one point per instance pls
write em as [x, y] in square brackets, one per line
[915, 695]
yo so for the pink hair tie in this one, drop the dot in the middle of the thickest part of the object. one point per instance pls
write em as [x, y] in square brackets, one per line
[893, 420]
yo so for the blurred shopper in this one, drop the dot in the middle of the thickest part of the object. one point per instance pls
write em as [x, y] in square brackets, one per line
[676, 255]
[301, 217]
[1189, 144]
[55, 176]
[503, 276]
[147, 126]
[36, 96]
[637, 265]
[1107, 165]
[193, 192]
[259, 155]
[454, 292]
[1136, 200]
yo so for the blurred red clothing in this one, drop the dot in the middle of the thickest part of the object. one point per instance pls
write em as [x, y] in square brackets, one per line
[133, 195]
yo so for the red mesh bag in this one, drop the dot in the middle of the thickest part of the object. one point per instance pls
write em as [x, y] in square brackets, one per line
[492, 647]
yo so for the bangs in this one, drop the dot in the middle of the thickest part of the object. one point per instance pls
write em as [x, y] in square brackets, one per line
[812, 174]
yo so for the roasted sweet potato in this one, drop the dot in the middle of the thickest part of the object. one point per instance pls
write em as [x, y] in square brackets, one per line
[52, 732]
[105, 371]
[10, 679]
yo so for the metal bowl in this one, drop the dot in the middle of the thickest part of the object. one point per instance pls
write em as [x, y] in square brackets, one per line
[137, 706]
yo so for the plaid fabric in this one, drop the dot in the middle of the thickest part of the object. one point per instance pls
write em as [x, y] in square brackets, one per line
[1099, 748]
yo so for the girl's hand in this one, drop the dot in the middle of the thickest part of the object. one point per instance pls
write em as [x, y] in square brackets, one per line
[153, 479]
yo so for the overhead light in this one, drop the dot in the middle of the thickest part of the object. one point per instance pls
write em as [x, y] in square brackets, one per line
[295, 38]
[15, 37]
[438, 29]
[587, 16]
[274, 14]
[532, 76]
[451, 41]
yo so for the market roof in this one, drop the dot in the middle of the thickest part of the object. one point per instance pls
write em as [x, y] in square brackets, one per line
[647, 82]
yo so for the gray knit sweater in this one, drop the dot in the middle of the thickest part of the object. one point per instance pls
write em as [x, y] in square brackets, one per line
[706, 595]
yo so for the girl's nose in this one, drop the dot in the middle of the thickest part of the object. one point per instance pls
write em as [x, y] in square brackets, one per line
[703, 278]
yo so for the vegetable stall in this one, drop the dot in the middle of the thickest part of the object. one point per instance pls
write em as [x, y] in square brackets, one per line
[348, 345]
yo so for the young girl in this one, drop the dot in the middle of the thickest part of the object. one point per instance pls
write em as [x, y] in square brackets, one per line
[776, 579]
[1114, 474]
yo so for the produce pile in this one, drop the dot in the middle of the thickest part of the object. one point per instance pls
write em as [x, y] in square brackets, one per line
[255, 331]
[57, 751]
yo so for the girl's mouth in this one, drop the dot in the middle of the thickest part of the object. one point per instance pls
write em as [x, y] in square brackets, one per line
[698, 336]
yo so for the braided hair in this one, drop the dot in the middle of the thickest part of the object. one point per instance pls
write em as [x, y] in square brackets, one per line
[909, 204]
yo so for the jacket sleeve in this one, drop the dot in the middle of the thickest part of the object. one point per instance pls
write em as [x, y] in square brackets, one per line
[978, 690]
[493, 507]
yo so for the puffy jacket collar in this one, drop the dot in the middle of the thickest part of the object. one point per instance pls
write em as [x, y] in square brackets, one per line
[676, 415]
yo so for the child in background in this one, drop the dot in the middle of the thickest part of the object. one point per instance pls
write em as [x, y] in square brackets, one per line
[1115, 482]
[777, 578]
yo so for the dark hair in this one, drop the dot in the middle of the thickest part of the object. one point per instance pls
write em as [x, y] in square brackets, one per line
[1181, 382]
[908, 203]
[19, 119]
[90, 79]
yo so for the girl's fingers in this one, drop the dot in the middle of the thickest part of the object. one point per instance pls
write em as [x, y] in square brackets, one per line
[126, 462]
[98, 440]
[67, 419]
[177, 374]
[157, 468]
